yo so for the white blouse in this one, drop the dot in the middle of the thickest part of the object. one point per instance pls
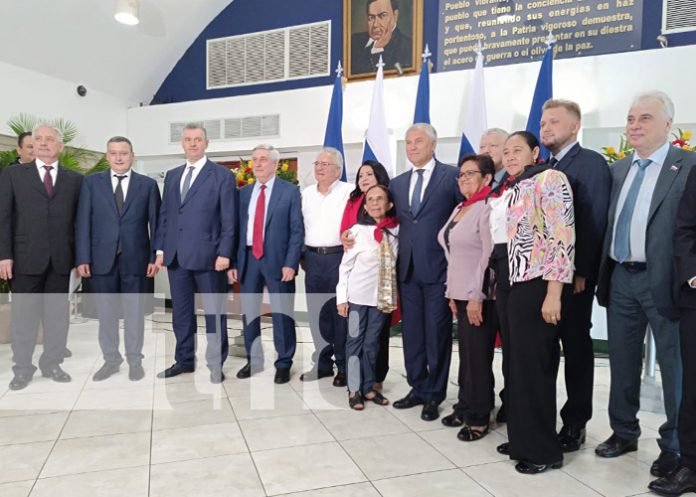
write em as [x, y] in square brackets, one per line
[498, 218]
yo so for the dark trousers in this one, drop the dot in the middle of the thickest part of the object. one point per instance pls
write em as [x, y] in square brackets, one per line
[327, 327]
[531, 386]
[574, 330]
[382, 367]
[365, 325]
[499, 264]
[476, 381]
[212, 289]
[120, 294]
[39, 298]
[687, 411]
[282, 295]
[631, 308]
[427, 337]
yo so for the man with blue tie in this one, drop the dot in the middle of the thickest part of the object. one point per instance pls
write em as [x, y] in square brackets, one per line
[424, 198]
[196, 241]
[637, 280]
[114, 232]
[271, 237]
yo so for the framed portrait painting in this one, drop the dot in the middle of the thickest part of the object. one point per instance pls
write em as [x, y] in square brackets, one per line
[392, 29]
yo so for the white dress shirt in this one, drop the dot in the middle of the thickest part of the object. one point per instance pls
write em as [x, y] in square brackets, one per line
[498, 217]
[42, 172]
[256, 191]
[323, 213]
[197, 166]
[559, 156]
[358, 274]
[124, 182]
[428, 168]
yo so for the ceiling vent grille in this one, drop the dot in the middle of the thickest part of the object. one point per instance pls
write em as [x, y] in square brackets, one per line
[291, 53]
[232, 128]
[678, 16]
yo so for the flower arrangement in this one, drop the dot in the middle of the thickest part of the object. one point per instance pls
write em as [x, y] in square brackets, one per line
[681, 140]
[244, 174]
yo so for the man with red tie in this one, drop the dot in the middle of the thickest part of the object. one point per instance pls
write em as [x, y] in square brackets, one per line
[270, 245]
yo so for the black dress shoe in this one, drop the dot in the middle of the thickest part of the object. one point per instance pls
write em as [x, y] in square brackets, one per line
[614, 446]
[175, 370]
[106, 371]
[407, 402]
[20, 381]
[431, 411]
[501, 417]
[681, 481]
[666, 464]
[56, 374]
[217, 376]
[136, 372]
[571, 439]
[340, 379]
[282, 375]
[316, 374]
[528, 468]
[503, 449]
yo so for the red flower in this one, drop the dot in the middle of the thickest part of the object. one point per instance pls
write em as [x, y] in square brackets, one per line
[240, 184]
[679, 143]
[247, 170]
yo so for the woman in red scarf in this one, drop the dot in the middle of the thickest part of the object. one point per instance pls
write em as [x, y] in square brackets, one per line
[466, 240]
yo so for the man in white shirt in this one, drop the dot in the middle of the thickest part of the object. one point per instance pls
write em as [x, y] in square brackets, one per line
[322, 209]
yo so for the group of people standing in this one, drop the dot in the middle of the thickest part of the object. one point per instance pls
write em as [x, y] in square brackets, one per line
[505, 242]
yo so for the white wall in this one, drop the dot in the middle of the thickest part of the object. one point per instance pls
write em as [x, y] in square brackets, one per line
[97, 116]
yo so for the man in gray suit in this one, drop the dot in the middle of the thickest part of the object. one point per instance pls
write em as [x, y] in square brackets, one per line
[637, 281]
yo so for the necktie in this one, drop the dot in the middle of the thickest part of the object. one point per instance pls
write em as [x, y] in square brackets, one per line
[257, 238]
[552, 162]
[48, 181]
[187, 183]
[118, 193]
[417, 191]
[622, 238]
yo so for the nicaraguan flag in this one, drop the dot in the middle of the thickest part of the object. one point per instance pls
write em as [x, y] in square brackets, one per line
[542, 92]
[422, 112]
[333, 137]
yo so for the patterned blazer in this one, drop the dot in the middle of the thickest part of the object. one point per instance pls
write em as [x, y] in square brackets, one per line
[541, 228]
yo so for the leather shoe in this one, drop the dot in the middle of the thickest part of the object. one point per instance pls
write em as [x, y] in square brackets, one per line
[407, 402]
[106, 371]
[528, 468]
[453, 420]
[501, 417]
[316, 374]
[56, 374]
[430, 411]
[571, 438]
[136, 372]
[503, 449]
[246, 371]
[665, 464]
[175, 370]
[20, 381]
[614, 446]
[681, 481]
[282, 375]
[217, 376]
[340, 379]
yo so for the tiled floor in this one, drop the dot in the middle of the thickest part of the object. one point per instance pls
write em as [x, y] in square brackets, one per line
[254, 438]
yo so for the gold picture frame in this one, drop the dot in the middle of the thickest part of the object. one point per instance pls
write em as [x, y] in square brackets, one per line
[406, 39]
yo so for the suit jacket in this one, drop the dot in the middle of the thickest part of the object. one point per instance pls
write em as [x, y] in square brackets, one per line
[659, 247]
[419, 250]
[283, 233]
[399, 49]
[590, 180]
[203, 226]
[685, 242]
[36, 229]
[100, 229]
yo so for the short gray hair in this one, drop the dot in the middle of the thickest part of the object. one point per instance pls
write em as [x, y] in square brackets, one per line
[496, 131]
[659, 96]
[425, 127]
[49, 126]
[272, 151]
[120, 139]
[197, 126]
[338, 156]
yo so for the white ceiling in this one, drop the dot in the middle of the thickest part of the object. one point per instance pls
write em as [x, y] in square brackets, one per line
[79, 41]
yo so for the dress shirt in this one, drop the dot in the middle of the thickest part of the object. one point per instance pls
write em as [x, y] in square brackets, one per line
[559, 156]
[498, 218]
[54, 172]
[252, 208]
[322, 214]
[197, 166]
[428, 168]
[358, 274]
[124, 182]
[639, 222]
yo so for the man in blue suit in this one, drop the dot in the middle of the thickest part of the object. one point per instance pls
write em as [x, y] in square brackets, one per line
[116, 221]
[424, 197]
[196, 241]
[270, 245]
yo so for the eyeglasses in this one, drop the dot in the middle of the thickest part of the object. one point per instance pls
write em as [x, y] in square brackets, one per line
[323, 164]
[468, 174]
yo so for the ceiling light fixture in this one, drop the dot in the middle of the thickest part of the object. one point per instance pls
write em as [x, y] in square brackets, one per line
[127, 12]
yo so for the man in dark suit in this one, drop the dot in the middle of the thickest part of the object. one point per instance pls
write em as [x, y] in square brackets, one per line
[25, 149]
[271, 237]
[196, 240]
[116, 222]
[382, 38]
[684, 478]
[424, 197]
[637, 280]
[590, 180]
[37, 215]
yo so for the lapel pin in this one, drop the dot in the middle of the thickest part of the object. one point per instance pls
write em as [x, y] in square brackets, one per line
[674, 167]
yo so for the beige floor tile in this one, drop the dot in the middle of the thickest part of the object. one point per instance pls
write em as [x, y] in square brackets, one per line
[452, 483]
[355, 490]
[286, 431]
[130, 482]
[26, 429]
[23, 461]
[131, 397]
[16, 489]
[27, 402]
[268, 404]
[196, 442]
[90, 423]
[193, 413]
[466, 453]
[373, 421]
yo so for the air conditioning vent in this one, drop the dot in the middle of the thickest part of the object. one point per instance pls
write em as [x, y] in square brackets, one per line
[678, 16]
[232, 128]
